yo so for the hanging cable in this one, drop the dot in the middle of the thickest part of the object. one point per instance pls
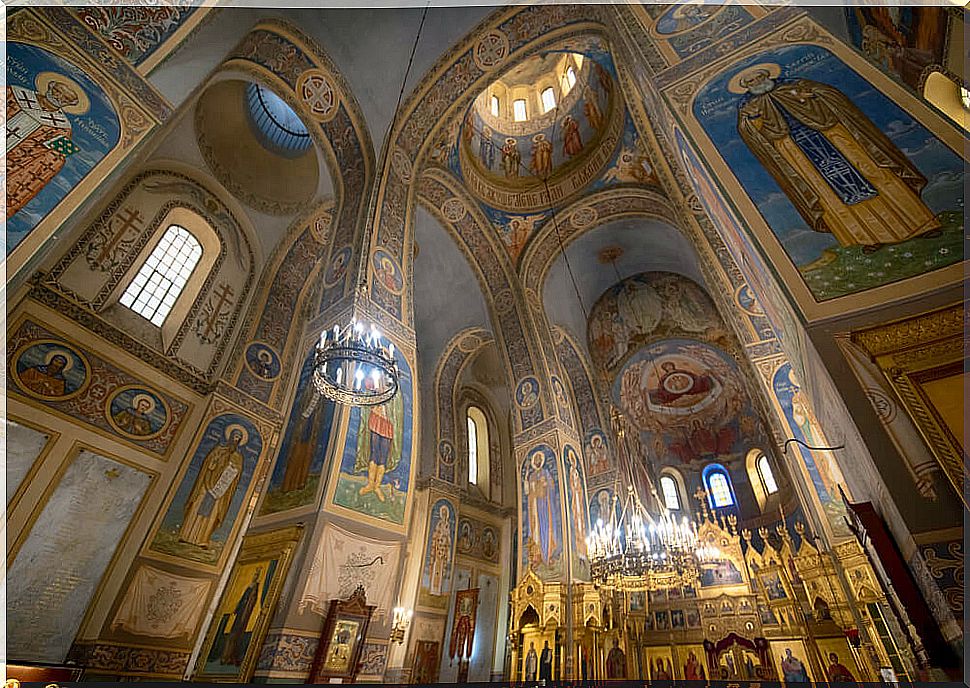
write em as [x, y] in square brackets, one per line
[809, 446]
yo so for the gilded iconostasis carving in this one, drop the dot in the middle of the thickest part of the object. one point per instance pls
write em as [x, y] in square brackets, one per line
[704, 259]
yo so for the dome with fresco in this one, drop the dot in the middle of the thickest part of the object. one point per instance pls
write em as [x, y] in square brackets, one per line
[554, 119]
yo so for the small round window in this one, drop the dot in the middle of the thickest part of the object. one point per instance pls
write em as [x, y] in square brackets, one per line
[278, 128]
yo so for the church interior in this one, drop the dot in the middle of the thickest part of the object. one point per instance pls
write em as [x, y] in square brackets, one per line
[485, 343]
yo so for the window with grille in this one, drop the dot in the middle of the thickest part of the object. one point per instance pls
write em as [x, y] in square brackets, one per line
[669, 489]
[719, 490]
[160, 280]
[519, 112]
[767, 477]
[548, 99]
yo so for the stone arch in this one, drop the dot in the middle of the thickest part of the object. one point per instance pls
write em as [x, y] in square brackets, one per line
[308, 80]
[287, 280]
[458, 353]
[448, 87]
[585, 215]
[508, 310]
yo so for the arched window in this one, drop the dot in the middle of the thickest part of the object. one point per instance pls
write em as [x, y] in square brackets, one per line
[669, 489]
[719, 489]
[472, 450]
[496, 106]
[478, 448]
[548, 99]
[767, 477]
[570, 78]
[161, 278]
[519, 112]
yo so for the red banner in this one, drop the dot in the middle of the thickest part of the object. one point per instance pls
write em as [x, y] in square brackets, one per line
[463, 627]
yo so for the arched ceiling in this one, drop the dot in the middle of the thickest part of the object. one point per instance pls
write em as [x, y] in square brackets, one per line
[446, 292]
[639, 244]
[369, 46]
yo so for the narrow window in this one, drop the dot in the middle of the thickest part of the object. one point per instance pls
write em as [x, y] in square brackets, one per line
[162, 277]
[548, 99]
[519, 112]
[472, 451]
[965, 97]
[767, 477]
[719, 489]
[570, 77]
[495, 106]
[669, 489]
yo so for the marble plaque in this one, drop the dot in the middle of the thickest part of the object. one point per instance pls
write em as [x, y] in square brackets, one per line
[57, 570]
[24, 445]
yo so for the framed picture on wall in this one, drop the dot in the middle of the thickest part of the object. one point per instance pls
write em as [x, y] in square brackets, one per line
[342, 639]
[237, 629]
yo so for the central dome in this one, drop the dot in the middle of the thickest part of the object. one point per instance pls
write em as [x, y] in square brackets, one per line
[554, 118]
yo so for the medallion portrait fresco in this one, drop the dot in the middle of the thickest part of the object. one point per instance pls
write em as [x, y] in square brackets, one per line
[136, 412]
[50, 370]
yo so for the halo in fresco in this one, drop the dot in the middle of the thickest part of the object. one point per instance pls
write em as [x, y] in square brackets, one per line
[527, 393]
[387, 272]
[136, 412]
[263, 361]
[338, 267]
[447, 452]
[50, 370]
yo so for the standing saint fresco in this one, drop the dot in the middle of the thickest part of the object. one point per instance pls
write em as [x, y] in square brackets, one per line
[843, 175]
[541, 164]
[572, 142]
[486, 148]
[440, 554]
[543, 542]
[379, 444]
[511, 158]
[208, 503]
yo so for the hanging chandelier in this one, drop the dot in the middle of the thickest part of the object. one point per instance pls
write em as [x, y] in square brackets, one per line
[354, 366]
[634, 548]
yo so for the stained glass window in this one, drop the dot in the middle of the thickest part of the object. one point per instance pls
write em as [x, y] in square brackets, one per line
[719, 490]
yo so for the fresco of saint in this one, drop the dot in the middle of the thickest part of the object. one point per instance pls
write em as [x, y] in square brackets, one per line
[539, 490]
[214, 488]
[843, 175]
[39, 139]
[440, 551]
[379, 444]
